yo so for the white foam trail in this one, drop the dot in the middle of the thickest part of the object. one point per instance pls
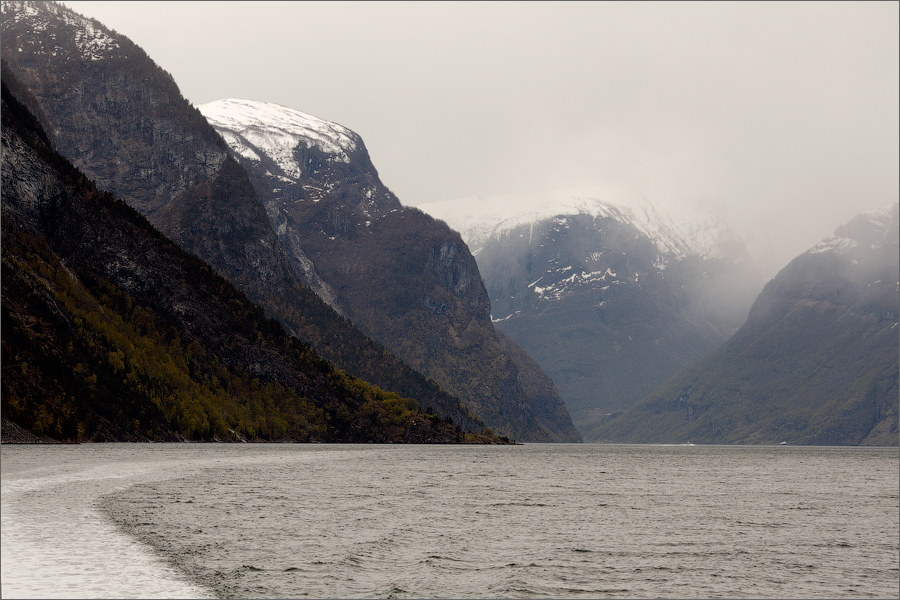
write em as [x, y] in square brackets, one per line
[56, 544]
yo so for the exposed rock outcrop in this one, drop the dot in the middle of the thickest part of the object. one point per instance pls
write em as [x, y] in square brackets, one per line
[403, 277]
[122, 120]
[111, 332]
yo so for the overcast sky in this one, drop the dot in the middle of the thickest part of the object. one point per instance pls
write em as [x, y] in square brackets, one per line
[781, 118]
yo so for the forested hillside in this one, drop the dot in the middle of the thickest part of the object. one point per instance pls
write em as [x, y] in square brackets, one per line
[121, 119]
[113, 332]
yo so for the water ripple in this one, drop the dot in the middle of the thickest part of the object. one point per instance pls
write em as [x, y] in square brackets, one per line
[535, 521]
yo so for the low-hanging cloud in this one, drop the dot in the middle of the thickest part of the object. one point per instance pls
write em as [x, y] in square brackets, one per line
[781, 118]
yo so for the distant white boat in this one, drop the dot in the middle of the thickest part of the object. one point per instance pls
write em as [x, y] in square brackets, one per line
[783, 444]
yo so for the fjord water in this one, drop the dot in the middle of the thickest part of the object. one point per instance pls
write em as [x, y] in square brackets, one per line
[342, 521]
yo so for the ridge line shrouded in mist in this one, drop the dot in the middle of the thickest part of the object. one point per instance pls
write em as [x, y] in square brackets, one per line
[779, 118]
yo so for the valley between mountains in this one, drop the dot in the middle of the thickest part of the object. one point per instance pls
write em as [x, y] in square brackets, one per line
[238, 271]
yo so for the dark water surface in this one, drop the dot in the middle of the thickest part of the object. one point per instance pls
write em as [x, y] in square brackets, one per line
[344, 521]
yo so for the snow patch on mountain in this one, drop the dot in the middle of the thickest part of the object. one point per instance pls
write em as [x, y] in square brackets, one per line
[833, 243]
[676, 229]
[277, 131]
[237, 144]
[875, 223]
[92, 40]
[882, 218]
[94, 43]
[24, 10]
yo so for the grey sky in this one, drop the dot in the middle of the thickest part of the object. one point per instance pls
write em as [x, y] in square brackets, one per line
[782, 118]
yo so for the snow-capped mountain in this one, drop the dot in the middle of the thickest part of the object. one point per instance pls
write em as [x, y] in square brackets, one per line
[403, 277]
[122, 121]
[677, 230]
[296, 159]
[277, 131]
[611, 292]
[872, 228]
[296, 156]
[815, 363]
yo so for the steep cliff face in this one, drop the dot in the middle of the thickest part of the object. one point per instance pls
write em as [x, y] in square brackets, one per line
[815, 363]
[123, 122]
[611, 294]
[111, 332]
[404, 278]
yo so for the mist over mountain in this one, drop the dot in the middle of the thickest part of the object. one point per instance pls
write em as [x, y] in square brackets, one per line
[484, 312]
[815, 363]
[611, 293]
[404, 278]
[122, 121]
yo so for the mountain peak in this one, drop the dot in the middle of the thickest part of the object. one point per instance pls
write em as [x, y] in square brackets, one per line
[398, 274]
[815, 362]
[277, 130]
[92, 39]
[677, 230]
[872, 228]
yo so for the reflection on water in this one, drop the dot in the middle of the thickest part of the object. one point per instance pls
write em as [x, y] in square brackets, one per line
[447, 521]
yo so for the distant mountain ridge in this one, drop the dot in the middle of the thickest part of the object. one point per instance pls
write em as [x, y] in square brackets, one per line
[610, 292]
[676, 229]
[598, 314]
[815, 363]
[405, 279]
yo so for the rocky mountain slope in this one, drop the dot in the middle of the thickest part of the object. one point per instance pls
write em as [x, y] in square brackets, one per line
[612, 294]
[404, 278]
[122, 120]
[816, 362]
[111, 332]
